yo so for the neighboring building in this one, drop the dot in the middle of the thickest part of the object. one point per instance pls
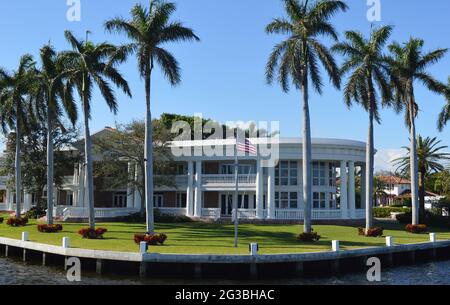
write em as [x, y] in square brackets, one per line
[391, 188]
[205, 184]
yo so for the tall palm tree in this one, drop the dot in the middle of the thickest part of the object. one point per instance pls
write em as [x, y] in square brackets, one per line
[15, 110]
[148, 30]
[408, 64]
[365, 62]
[53, 98]
[298, 59]
[90, 65]
[430, 157]
[444, 116]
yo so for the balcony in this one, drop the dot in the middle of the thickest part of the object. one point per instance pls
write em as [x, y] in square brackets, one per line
[228, 180]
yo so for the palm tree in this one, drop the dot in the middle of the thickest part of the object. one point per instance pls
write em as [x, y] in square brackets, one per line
[408, 64]
[15, 110]
[298, 58]
[365, 61]
[90, 65]
[430, 156]
[148, 30]
[444, 116]
[53, 97]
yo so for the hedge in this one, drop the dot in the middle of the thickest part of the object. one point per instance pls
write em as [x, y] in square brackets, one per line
[386, 212]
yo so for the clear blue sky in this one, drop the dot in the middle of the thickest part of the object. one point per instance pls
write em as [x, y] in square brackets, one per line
[223, 76]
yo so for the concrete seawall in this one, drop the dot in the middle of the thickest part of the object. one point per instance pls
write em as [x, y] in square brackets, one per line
[225, 266]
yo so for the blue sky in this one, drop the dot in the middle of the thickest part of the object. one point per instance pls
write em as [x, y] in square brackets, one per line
[223, 75]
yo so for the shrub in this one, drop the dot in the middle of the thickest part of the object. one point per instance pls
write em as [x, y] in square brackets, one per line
[416, 229]
[17, 222]
[309, 237]
[372, 232]
[36, 213]
[1, 219]
[386, 212]
[44, 228]
[92, 234]
[150, 239]
[427, 218]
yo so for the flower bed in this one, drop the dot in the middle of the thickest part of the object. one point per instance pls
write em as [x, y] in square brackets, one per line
[17, 222]
[309, 237]
[372, 232]
[150, 239]
[416, 229]
[92, 234]
[44, 228]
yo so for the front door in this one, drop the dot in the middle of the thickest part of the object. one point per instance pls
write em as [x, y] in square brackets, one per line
[226, 203]
[158, 200]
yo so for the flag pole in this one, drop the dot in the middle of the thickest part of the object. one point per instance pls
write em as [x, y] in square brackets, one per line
[236, 196]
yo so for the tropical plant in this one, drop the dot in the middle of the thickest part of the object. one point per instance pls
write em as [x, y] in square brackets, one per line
[298, 59]
[430, 156]
[365, 62]
[408, 64]
[90, 65]
[16, 110]
[148, 30]
[444, 116]
[52, 97]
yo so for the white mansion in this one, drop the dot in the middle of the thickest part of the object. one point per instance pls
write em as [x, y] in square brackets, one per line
[205, 185]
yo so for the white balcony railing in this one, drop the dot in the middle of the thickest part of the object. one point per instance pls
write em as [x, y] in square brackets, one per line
[172, 211]
[247, 214]
[228, 180]
[211, 213]
[80, 212]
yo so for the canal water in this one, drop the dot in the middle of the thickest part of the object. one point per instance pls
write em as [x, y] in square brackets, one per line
[13, 272]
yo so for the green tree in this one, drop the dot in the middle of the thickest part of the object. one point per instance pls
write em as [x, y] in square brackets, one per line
[298, 59]
[409, 65]
[366, 64]
[444, 116]
[430, 155]
[16, 110]
[149, 30]
[52, 99]
[90, 65]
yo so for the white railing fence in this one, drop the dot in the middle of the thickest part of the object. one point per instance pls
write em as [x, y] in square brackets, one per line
[79, 212]
[228, 179]
[172, 211]
[211, 213]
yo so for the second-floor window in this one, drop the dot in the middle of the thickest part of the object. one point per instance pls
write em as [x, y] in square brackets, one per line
[319, 172]
[286, 173]
[319, 201]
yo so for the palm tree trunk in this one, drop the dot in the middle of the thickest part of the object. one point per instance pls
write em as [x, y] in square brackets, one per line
[148, 157]
[422, 192]
[49, 170]
[18, 169]
[307, 179]
[89, 167]
[370, 160]
[414, 172]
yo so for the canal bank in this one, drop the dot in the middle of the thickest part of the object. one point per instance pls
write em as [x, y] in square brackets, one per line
[151, 265]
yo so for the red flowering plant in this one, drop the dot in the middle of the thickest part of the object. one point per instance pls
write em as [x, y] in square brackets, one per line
[416, 229]
[309, 237]
[151, 239]
[92, 234]
[372, 232]
[44, 228]
[17, 222]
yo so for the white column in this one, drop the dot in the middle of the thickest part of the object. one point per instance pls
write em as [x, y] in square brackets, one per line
[343, 195]
[198, 190]
[27, 202]
[190, 190]
[351, 189]
[130, 186]
[75, 183]
[137, 196]
[363, 186]
[81, 180]
[259, 190]
[271, 193]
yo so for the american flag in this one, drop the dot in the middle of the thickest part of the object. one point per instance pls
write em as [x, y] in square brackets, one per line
[246, 146]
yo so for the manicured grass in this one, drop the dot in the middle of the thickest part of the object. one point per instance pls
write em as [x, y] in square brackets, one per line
[204, 238]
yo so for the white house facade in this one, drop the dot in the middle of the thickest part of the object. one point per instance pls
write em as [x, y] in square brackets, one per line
[205, 184]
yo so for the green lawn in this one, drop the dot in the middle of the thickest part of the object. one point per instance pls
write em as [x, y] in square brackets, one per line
[218, 239]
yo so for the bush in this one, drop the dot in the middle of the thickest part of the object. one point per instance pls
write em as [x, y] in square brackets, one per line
[44, 228]
[372, 232]
[17, 222]
[150, 239]
[159, 218]
[92, 234]
[416, 229]
[36, 213]
[386, 212]
[427, 218]
[1, 219]
[309, 237]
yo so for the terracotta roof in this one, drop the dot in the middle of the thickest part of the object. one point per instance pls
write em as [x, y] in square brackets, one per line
[393, 180]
